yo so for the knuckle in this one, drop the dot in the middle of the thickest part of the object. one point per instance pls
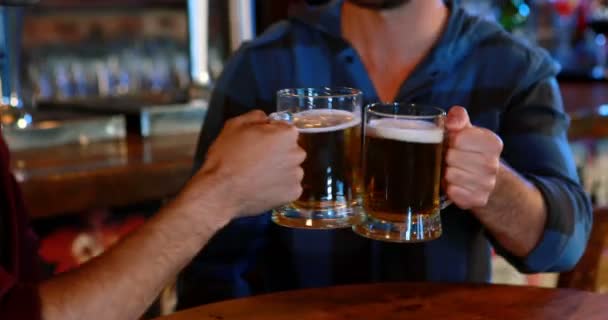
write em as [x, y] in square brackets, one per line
[461, 200]
[451, 156]
[451, 192]
[276, 132]
[301, 155]
[450, 175]
[493, 140]
[480, 201]
[299, 174]
[464, 137]
[484, 184]
[491, 183]
[490, 163]
[459, 139]
[498, 143]
[257, 113]
[295, 192]
[293, 132]
[462, 204]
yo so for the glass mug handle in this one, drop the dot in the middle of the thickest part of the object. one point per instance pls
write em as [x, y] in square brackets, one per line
[284, 116]
[444, 202]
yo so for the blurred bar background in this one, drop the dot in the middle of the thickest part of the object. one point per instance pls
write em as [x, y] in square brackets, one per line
[102, 101]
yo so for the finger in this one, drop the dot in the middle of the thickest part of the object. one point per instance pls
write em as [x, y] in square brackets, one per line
[299, 174]
[459, 196]
[293, 193]
[283, 139]
[289, 133]
[280, 132]
[294, 157]
[251, 117]
[458, 119]
[471, 161]
[478, 184]
[300, 155]
[476, 139]
[464, 198]
[281, 124]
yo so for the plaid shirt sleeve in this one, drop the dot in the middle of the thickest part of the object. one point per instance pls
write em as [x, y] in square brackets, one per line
[534, 131]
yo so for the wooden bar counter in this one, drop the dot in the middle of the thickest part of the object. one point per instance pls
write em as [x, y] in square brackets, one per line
[73, 178]
[409, 301]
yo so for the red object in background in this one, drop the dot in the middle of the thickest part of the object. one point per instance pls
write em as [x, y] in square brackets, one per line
[69, 247]
[565, 7]
[581, 20]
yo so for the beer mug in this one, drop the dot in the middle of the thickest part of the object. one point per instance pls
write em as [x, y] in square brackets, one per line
[329, 125]
[403, 150]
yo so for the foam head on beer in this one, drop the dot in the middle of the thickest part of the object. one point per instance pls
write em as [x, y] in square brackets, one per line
[402, 169]
[324, 120]
[405, 130]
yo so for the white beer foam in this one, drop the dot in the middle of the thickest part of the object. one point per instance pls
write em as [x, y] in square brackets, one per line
[405, 130]
[323, 120]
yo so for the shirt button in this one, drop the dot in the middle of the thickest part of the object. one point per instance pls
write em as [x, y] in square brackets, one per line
[350, 59]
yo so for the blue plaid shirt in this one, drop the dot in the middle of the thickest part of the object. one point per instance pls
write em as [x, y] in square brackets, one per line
[507, 86]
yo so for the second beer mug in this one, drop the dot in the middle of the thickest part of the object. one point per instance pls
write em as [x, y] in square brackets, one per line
[402, 164]
[329, 122]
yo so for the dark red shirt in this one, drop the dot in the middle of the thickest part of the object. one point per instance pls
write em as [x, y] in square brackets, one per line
[19, 297]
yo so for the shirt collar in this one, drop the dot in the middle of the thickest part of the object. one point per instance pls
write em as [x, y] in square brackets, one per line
[328, 19]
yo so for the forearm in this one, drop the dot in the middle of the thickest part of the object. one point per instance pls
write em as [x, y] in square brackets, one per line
[515, 214]
[123, 282]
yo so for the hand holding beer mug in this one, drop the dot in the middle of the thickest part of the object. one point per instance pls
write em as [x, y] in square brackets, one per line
[329, 125]
[402, 168]
[472, 161]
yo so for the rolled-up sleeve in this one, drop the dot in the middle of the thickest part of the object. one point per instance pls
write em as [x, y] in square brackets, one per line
[534, 131]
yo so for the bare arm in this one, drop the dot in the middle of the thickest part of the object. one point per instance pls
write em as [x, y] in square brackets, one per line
[123, 282]
[237, 180]
[515, 213]
[537, 213]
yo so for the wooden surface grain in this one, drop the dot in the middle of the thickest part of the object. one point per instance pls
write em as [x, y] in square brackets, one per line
[72, 178]
[409, 301]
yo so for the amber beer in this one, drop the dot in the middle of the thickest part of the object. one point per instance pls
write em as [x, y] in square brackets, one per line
[332, 140]
[329, 125]
[402, 169]
[402, 166]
